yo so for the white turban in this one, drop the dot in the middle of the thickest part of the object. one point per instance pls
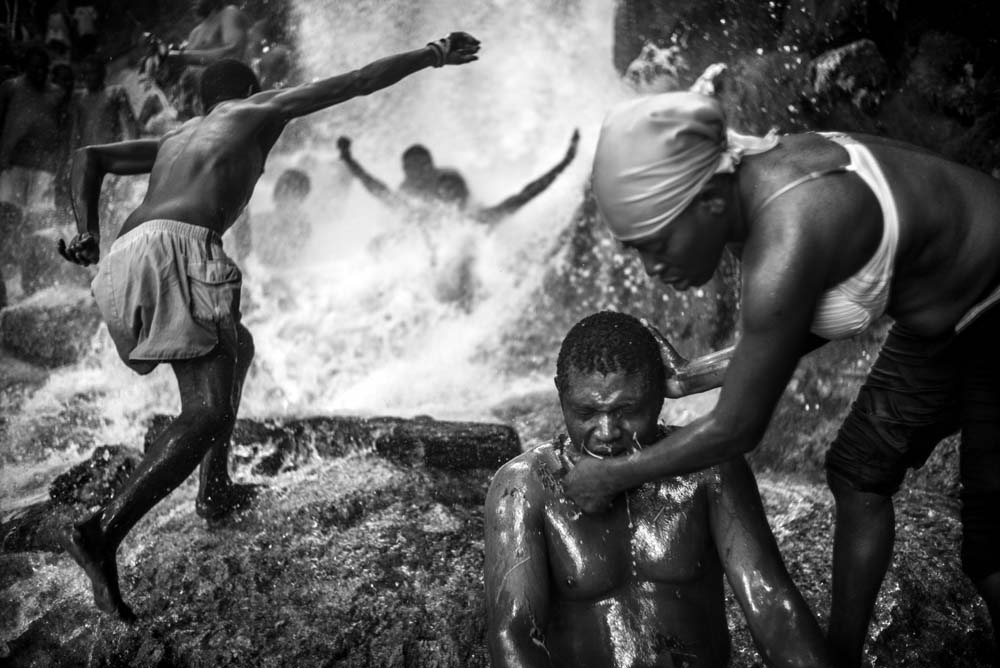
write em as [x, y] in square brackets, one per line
[656, 153]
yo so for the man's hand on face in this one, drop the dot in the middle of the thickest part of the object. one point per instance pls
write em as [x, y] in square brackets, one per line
[84, 249]
[588, 483]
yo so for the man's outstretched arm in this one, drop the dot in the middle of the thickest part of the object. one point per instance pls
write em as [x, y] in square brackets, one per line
[784, 628]
[288, 103]
[516, 568]
[90, 164]
[495, 213]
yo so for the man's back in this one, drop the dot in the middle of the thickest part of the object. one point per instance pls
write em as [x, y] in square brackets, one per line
[205, 171]
[637, 585]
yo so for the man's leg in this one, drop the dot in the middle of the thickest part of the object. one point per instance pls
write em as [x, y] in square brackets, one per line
[217, 495]
[862, 550]
[207, 413]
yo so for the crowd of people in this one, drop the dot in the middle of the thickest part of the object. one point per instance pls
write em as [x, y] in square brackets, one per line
[55, 98]
[609, 544]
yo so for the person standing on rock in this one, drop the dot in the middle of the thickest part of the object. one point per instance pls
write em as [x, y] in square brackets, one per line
[834, 231]
[168, 291]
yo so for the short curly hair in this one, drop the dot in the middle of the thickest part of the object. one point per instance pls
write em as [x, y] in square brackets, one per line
[609, 341]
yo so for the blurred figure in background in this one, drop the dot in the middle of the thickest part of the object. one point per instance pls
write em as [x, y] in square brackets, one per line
[29, 134]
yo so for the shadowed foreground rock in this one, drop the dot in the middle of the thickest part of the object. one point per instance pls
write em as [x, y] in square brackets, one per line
[354, 559]
[52, 327]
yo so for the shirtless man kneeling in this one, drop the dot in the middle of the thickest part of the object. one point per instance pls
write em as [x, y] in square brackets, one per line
[639, 584]
[168, 291]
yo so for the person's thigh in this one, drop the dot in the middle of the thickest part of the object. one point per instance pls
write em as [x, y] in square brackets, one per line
[206, 382]
[908, 403]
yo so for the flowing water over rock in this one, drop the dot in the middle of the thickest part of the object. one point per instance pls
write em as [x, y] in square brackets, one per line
[356, 557]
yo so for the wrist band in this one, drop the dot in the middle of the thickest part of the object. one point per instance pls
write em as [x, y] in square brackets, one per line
[439, 52]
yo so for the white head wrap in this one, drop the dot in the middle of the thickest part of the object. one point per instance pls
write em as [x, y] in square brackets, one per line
[656, 153]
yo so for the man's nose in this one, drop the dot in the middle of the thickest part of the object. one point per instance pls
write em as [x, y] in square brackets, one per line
[607, 428]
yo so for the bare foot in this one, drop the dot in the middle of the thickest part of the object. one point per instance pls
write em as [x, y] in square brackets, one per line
[85, 544]
[221, 503]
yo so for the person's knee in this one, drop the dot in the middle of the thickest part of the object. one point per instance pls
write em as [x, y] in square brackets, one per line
[209, 421]
[245, 345]
[850, 496]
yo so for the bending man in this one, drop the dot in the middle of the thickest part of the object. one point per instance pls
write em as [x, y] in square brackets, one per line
[168, 291]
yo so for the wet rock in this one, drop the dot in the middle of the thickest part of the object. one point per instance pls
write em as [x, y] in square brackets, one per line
[942, 72]
[53, 327]
[812, 26]
[855, 72]
[396, 579]
[94, 482]
[73, 494]
[270, 446]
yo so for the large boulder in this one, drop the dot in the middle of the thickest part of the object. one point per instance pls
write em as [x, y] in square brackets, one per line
[52, 327]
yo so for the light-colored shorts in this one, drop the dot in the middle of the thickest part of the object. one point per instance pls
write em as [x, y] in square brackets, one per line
[168, 292]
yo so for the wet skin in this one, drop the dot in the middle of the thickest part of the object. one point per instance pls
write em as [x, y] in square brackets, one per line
[201, 174]
[638, 583]
[798, 246]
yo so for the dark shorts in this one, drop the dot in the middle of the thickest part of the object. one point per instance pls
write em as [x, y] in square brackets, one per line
[168, 292]
[919, 391]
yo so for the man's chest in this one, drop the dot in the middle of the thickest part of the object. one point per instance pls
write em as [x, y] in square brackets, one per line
[657, 534]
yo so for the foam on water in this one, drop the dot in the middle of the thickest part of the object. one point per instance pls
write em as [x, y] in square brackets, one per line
[352, 330]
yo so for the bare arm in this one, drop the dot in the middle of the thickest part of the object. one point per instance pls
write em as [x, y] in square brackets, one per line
[494, 214]
[371, 184]
[90, 164]
[782, 625]
[685, 377]
[307, 98]
[234, 41]
[516, 568]
[783, 276]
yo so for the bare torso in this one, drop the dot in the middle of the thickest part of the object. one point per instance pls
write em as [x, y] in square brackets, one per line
[206, 170]
[638, 585]
[949, 216]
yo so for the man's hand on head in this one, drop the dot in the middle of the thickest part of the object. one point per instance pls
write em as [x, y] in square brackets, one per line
[456, 49]
[84, 249]
[588, 483]
[673, 362]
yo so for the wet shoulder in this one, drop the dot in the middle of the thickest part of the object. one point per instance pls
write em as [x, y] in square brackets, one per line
[535, 472]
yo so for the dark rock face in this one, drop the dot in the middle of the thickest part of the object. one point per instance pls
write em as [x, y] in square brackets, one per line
[926, 74]
[53, 327]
